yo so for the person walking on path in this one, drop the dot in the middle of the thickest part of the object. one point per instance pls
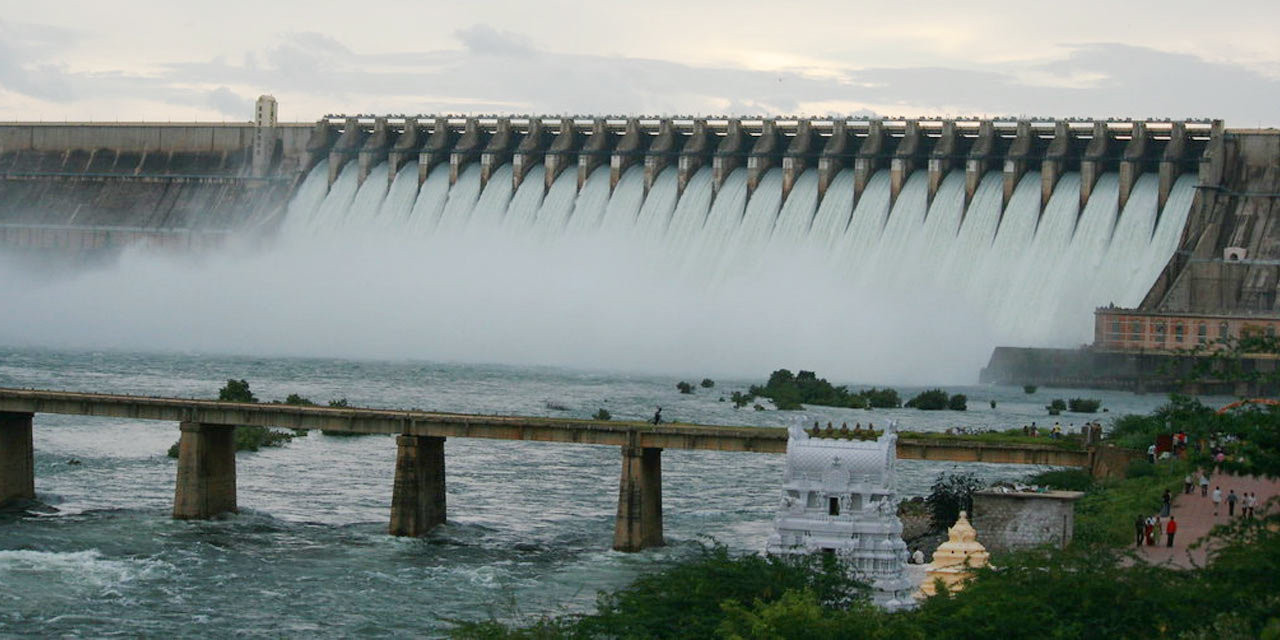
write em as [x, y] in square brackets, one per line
[1186, 484]
[1217, 500]
[1169, 530]
[1250, 503]
[1166, 504]
[1204, 483]
[1139, 528]
[1150, 531]
[1232, 498]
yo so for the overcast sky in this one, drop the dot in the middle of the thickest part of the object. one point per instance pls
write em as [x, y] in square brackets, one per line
[171, 60]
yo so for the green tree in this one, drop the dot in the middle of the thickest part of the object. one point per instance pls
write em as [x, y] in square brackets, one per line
[236, 391]
[951, 493]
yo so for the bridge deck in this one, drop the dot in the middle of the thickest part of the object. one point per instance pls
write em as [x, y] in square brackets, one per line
[458, 425]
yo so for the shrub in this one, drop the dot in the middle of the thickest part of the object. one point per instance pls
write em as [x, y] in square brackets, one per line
[236, 391]
[297, 400]
[707, 383]
[740, 399]
[958, 402]
[759, 407]
[339, 403]
[993, 404]
[881, 398]
[1064, 479]
[1084, 405]
[931, 400]
[1029, 388]
[1139, 469]
[951, 493]
[684, 387]
[603, 415]
[1057, 404]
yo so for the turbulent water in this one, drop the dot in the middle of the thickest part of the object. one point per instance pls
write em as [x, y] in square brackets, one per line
[530, 524]
[723, 279]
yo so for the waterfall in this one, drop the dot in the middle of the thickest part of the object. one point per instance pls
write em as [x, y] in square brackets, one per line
[1032, 275]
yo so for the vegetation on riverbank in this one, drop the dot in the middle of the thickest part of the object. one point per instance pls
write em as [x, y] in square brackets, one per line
[1009, 436]
[1094, 588]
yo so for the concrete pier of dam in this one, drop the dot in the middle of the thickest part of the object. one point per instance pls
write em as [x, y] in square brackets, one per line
[198, 178]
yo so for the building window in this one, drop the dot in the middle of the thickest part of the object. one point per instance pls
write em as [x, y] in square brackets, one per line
[1223, 330]
[1177, 332]
[1160, 332]
[1115, 329]
[1135, 330]
[833, 506]
[1203, 333]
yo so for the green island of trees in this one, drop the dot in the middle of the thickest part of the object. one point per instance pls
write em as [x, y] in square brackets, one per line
[1095, 588]
[789, 392]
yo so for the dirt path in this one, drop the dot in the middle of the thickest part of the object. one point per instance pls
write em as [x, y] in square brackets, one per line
[1194, 514]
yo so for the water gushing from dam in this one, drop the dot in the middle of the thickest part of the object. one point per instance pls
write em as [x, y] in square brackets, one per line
[870, 289]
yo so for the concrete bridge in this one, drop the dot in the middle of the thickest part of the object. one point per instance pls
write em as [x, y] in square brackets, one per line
[206, 477]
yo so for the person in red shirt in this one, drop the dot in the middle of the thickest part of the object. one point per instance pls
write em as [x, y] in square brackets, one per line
[1171, 529]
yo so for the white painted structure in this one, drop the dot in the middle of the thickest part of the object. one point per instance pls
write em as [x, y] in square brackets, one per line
[839, 497]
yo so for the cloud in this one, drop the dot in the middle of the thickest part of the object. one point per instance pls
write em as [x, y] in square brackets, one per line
[484, 39]
[502, 71]
[228, 102]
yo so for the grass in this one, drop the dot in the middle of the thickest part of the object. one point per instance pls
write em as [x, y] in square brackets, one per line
[1070, 443]
[1106, 513]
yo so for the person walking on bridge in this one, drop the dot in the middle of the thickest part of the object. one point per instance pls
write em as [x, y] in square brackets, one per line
[657, 416]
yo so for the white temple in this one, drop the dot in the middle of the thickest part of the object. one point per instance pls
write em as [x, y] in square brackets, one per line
[839, 497]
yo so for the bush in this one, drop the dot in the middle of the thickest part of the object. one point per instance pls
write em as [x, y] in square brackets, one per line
[882, 398]
[1057, 404]
[951, 493]
[1139, 469]
[684, 387]
[1064, 479]
[708, 383]
[993, 404]
[791, 391]
[339, 403]
[603, 415]
[958, 402]
[1084, 405]
[236, 391]
[297, 400]
[758, 407]
[1029, 388]
[740, 399]
[685, 601]
[931, 400]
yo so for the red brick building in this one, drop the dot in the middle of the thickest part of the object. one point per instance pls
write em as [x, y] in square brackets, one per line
[1134, 329]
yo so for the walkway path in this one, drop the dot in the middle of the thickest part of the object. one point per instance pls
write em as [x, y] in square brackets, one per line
[1194, 514]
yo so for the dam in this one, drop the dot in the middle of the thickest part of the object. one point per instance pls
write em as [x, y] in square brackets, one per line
[1023, 225]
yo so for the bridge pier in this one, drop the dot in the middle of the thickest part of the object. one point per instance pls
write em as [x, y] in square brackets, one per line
[206, 483]
[639, 523]
[17, 458]
[417, 498]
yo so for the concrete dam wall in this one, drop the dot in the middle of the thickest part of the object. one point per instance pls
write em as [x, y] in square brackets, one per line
[85, 186]
[57, 180]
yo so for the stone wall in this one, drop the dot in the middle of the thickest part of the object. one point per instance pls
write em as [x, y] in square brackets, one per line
[1009, 521]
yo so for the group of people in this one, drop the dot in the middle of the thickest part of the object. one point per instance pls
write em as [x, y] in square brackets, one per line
[1056, 431]
[1147, 530]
